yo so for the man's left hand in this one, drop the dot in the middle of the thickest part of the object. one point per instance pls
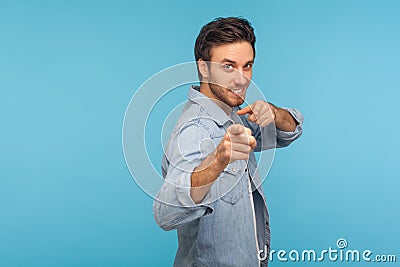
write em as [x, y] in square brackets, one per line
[261, 112]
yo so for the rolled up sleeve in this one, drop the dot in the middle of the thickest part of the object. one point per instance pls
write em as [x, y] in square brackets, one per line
[173, 205]
[283, 138]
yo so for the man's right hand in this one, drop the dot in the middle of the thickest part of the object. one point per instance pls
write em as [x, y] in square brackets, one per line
[236, 144]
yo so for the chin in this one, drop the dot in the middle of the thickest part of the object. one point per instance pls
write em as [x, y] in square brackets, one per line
[237, 100]
[233, 102]
[226, 96]
[237, 103]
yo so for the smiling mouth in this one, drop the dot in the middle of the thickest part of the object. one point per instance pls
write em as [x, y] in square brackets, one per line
[238, 91]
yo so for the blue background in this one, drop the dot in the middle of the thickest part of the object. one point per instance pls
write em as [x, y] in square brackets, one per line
[68, 70]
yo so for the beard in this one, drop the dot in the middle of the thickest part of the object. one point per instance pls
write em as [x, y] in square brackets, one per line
[225, 95]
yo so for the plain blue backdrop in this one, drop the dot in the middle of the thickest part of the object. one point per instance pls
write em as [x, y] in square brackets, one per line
[68, 70]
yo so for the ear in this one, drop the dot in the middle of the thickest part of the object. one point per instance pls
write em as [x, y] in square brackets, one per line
[203, 68]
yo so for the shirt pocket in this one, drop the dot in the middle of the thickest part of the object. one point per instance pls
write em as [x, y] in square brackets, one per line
[230, 183]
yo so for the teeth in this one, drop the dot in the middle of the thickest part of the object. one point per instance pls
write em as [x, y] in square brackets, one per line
[237, 91]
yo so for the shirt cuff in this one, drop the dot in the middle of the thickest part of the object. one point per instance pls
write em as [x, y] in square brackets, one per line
[285, 138]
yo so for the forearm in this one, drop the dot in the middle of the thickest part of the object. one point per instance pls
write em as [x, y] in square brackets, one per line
[283, 120]
[204, 176]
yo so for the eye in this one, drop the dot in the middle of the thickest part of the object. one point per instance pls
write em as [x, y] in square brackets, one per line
[248, 66]
[228, 67]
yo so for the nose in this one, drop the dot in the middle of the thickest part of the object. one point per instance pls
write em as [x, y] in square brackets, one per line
[240, 78]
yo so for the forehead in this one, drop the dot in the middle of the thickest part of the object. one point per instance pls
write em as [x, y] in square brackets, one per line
[240, 52]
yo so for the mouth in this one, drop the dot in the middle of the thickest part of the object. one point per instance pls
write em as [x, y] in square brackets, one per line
[238, 91]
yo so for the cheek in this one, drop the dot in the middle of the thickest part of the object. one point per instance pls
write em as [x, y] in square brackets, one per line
[249, 74]
[222, 78]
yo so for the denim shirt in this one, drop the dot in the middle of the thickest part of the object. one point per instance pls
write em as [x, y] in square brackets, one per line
[230, 227]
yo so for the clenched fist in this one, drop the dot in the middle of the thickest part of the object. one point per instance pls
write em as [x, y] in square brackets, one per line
[236, 144]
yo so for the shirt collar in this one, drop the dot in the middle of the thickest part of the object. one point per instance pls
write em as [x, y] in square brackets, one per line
[215, 112]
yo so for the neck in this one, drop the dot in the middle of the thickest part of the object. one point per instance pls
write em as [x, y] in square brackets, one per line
[205, 90]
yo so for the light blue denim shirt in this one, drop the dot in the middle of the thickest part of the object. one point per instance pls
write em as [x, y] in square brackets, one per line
[230, 227]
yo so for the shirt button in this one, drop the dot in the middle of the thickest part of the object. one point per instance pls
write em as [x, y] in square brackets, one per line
[233, 169]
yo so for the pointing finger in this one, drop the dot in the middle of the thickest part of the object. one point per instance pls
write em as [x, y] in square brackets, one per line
[245, 110]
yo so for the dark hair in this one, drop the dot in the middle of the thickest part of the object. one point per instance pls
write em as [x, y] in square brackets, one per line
[222, 31]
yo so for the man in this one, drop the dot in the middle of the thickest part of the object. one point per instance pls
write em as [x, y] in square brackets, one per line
[212, 193]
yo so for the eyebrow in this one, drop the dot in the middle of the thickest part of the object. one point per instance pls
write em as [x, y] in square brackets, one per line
[235, 63]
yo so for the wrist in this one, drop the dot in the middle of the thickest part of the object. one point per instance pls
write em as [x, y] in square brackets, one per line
[221, 159]
[274, 109]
